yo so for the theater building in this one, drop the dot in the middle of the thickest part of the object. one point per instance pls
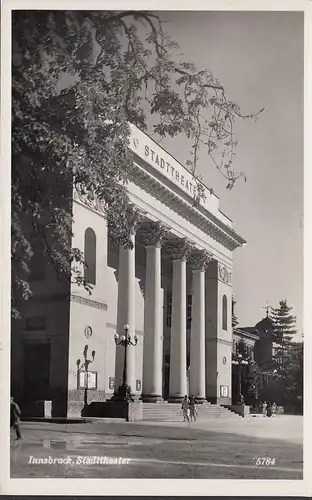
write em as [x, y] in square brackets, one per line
[173, 289]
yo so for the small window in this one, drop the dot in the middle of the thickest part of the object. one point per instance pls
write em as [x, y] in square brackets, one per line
[169, 309]
[224, 313]
[90, 256]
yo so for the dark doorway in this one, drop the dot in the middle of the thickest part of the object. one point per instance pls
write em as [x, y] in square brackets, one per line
[36, 387]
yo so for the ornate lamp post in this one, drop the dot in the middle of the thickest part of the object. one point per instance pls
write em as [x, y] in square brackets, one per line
[86, 364]
[240, 362]
[124, 391]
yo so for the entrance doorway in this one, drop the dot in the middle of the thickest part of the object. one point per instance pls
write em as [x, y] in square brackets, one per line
[36, 387]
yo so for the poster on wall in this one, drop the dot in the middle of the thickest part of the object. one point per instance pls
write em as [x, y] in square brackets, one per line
[92, 380]
[111, 383]
[224, 391]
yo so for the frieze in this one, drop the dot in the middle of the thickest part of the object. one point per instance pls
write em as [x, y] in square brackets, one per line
[224, 274]
[89, 200]
[88, 302]
[153, 233]
[199, 259]
[179, 249]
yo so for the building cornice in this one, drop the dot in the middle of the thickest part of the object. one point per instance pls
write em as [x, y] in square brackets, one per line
[198, 216]
[244, 333]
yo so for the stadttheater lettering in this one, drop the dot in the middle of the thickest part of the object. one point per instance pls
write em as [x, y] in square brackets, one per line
[160, 160]
[172, 172]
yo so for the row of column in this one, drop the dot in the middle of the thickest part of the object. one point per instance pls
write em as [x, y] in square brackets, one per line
[153, 235]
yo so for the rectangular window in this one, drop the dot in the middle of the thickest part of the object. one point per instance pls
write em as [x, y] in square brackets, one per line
[38, 323]
[189, 311]
[169, 308]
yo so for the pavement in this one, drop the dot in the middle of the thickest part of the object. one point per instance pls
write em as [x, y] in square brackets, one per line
[249, 448]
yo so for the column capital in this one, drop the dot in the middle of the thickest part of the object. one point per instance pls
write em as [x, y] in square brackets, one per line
[122, 231]
[134, 217]
[153, 233]
[199, 259]
[179, 249]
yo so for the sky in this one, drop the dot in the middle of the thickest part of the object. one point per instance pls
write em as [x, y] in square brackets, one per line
[258, 58]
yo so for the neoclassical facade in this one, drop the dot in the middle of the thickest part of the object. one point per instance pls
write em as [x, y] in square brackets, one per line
[173, 289]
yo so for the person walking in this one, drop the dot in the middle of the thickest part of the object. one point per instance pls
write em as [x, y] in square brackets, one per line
[185, 408]
[269, 410]
[15, 414]
[193, 410]
[264, 408]
[273, 408]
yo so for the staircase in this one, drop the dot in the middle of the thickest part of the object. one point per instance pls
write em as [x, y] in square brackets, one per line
[171, 412]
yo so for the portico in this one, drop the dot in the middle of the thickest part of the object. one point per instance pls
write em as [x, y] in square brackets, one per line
[188, 257]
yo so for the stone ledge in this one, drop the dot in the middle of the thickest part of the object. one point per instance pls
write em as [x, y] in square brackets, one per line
[242, 410]
[129, 410]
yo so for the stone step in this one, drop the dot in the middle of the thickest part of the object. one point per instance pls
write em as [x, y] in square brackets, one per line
[173, 412]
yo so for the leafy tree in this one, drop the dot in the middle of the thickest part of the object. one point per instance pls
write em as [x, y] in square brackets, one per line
[293, 376]
[286, 383]
[78, 79]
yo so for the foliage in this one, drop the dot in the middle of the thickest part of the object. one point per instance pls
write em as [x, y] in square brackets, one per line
[283, 322]
[243, 349]
[284, 329]
[249, 374]
[286, 383]
[78, 79]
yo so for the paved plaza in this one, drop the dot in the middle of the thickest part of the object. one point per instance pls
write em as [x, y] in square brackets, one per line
[212, 449]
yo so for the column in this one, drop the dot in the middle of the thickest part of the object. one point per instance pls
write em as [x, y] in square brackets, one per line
[152, 235]
[198, 260]
[126, 302]
[179, 252]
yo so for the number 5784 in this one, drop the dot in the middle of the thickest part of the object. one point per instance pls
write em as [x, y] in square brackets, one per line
[265, 461]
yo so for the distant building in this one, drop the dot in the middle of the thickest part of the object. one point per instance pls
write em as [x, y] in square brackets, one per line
[261, 348]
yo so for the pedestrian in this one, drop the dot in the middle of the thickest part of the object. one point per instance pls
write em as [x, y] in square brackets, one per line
[185, 408]
[269, 410]
[193, 410]
[264, 408]
[15, 414]
[273, 408]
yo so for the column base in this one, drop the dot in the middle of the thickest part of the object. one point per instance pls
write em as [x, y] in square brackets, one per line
[219, 401]
[201, 401]
[151, 398]
[175, 399]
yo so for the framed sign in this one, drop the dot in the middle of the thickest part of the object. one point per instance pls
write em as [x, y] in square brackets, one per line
[111, 383]
[82, 380]
[138, 385]
[224, 391]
